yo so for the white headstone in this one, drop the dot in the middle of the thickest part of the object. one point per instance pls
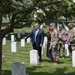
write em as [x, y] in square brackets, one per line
[23, 32]
[42, 50]
[28, 40]
[66, 28]
[44, 44]
[18, 68]
[4, 41]
[73, 58]
[45, 40]
[34, 57]
[22, 42]
[31, 26]
[74, 28]
[19, 35]
[66, 48]
[41, 26]
[6, 35]
[57, 26]
[12, 38]
[13, 46]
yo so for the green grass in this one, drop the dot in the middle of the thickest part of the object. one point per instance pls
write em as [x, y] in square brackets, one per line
[22, 54]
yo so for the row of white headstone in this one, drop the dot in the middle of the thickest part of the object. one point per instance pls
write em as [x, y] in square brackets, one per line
[14, 47]
[14, 44]
[13, 39]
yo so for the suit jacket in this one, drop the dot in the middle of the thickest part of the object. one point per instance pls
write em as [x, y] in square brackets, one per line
[39, 37]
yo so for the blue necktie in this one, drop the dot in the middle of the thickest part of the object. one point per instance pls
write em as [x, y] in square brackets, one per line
[36, 32]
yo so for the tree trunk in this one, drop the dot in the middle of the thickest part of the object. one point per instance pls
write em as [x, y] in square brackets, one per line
[0, 56]
[1, 10]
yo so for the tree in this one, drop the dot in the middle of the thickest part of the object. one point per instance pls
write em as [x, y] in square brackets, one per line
[18, 11]
[24, 10]
[0, 35]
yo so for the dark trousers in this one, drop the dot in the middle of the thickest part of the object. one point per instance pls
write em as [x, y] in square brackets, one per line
[61, 46]
[70, 50]
[39, 51]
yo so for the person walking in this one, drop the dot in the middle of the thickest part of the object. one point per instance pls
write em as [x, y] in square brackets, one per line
[54, 43]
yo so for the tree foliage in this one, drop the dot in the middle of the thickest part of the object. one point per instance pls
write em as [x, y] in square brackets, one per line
[20, 11]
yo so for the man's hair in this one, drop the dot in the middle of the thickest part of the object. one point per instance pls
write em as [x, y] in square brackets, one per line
[36, 24]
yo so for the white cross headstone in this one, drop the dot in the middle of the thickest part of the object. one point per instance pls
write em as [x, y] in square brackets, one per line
[28, 40]
[18, 68]
[13, 46]
[12, 38]
[66, 48]
[22, 42]
[4, 41]
[34, 57]
[19, 35]
[73, 58]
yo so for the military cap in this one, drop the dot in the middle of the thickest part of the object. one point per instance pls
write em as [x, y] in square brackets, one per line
[70, 24]
[52, 24]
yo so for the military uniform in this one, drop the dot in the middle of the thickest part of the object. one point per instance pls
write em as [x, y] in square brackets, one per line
[61, 42]
[71, 34]
[54, 45]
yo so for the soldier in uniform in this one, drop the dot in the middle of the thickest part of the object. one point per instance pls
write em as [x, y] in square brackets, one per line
[61, 42]
[54, 43]
[71, 34]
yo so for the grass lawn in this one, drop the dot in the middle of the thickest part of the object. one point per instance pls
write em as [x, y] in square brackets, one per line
[22, 54]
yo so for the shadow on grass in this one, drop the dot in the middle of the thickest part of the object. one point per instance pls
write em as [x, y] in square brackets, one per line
[6, 72]
[31, 71]
[59, 71]
[46, 60]
[49, 60]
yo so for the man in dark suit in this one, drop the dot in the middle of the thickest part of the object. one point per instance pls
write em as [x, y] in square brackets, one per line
[37, 36]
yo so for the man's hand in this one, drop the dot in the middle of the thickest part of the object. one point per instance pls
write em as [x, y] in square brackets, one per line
[40, 45]
[60, 36]
[50, 47]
